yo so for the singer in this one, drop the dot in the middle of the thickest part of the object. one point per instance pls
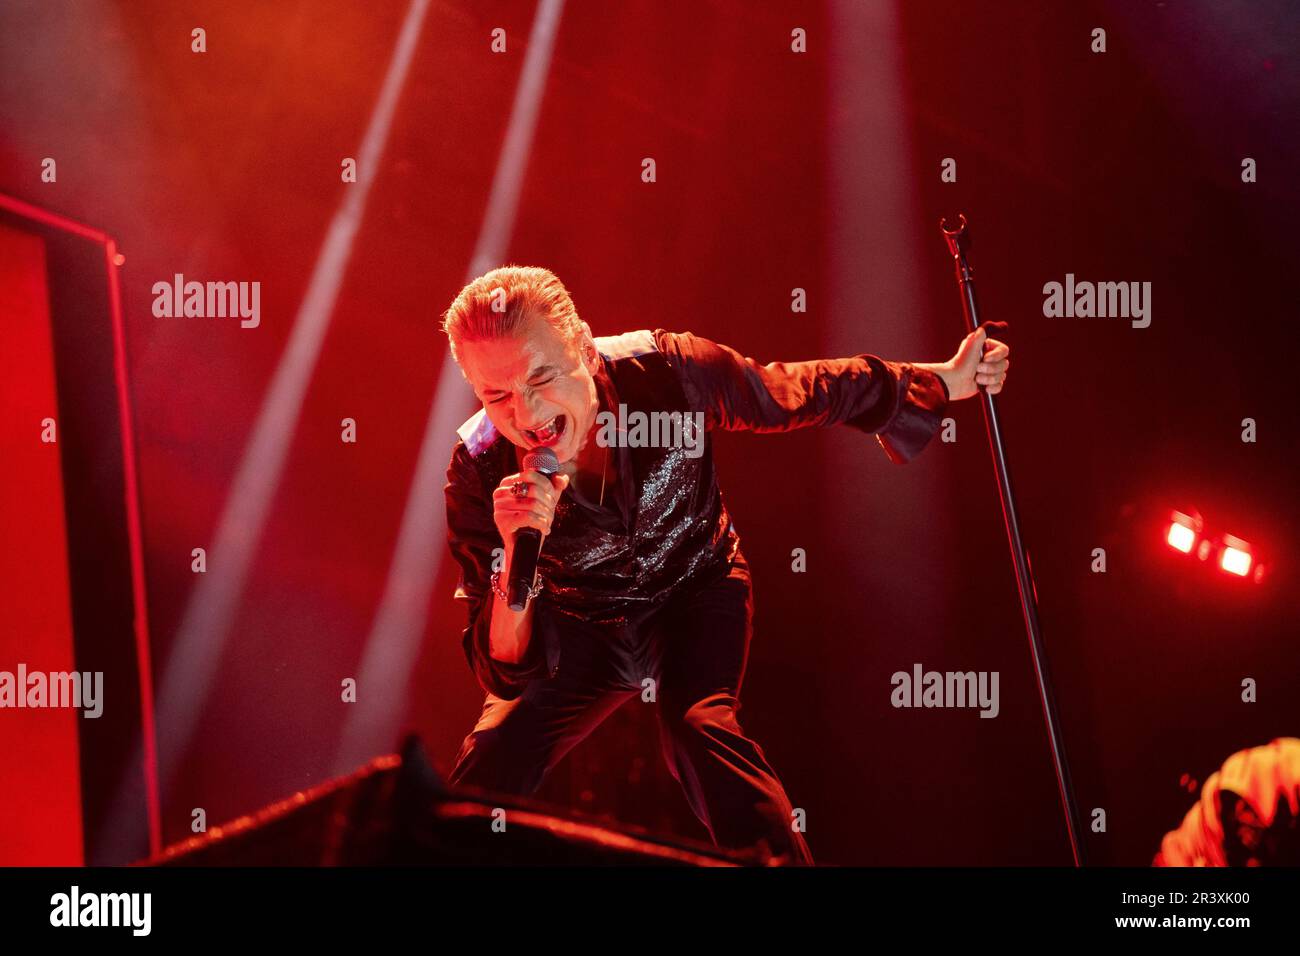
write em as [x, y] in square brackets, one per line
[640, 582]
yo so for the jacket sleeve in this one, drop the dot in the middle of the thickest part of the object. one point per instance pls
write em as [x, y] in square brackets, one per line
[899, 403]
[472, 536]
[1244, 810]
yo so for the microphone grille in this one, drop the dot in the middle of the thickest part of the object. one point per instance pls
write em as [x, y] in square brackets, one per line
[543, 460]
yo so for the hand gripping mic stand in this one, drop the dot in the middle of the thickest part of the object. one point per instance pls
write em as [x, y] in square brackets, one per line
[958, 244]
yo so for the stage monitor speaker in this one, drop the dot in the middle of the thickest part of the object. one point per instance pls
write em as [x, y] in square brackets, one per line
[396, 811]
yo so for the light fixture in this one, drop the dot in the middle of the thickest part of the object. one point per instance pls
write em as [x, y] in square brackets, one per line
[1182, 531]
[1235, 557]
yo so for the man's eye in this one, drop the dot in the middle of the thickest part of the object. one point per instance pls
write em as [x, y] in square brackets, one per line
[501, 398]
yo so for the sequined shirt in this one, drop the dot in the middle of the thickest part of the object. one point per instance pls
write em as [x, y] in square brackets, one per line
[664, 524]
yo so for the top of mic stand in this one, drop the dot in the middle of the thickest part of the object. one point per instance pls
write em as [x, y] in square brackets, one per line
[958, 239]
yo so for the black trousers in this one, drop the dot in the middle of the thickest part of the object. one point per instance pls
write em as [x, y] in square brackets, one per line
[694, 647]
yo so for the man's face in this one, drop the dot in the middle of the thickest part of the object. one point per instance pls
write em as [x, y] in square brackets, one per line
[537, 388]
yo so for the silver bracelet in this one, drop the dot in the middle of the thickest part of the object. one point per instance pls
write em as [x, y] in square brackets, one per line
[535, 590]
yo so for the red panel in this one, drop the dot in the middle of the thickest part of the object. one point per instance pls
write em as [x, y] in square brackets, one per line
[40, 804]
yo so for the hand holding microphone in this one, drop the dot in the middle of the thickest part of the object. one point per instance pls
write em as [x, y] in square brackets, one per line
[523, 508]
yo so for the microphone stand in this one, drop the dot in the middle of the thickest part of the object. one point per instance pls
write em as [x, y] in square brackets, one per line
[958, 244]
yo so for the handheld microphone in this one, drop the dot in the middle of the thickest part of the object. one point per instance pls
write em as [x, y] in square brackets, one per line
[528, 541]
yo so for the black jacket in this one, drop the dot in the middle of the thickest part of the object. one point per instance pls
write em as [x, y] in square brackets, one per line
[665, 523]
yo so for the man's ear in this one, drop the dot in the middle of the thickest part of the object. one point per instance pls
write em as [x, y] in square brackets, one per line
[587, 347]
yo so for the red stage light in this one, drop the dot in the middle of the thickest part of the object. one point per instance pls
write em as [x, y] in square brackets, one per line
[1235, 558]
[1181, 535]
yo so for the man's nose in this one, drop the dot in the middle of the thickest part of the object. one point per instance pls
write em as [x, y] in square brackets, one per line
[527, 407]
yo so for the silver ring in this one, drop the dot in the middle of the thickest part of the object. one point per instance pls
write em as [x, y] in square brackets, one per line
[519, 489]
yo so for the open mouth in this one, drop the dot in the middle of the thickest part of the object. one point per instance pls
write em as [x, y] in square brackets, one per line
[549, 433]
